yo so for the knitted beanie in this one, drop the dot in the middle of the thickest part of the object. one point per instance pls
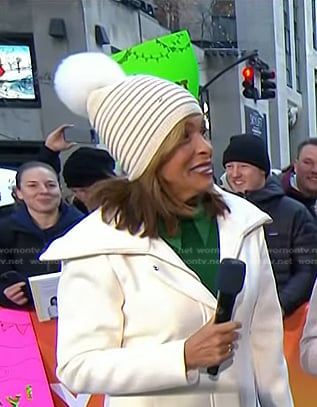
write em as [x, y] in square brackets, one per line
[249, 149]
[87, 165]
[133, 115]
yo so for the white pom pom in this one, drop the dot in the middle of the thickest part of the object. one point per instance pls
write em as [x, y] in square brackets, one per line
[79, 74]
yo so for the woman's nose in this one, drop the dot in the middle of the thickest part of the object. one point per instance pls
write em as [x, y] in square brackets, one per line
[43, 188]
[203, 146]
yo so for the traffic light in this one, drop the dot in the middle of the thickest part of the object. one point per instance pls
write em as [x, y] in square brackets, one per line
[249, 90]
[267, 84]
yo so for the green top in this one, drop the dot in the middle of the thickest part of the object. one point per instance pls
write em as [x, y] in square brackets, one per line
[197, 244]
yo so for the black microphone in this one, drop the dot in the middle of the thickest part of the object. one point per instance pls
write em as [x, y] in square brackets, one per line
[230, 281]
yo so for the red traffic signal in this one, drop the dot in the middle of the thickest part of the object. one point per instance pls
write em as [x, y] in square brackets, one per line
[248, 73]
[249, 91]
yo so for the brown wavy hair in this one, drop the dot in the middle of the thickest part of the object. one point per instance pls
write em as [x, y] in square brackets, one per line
[137, 206]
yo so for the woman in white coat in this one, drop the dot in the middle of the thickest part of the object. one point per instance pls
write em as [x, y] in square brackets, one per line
[137, 292]
[308, 343]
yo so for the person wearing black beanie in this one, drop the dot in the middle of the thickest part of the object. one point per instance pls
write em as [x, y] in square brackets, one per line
[292, 235]
[249, 149]
[87, 165]
[83, 168]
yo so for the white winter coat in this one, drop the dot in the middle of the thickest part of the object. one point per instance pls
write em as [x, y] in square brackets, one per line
[308, 343]
[127, 304]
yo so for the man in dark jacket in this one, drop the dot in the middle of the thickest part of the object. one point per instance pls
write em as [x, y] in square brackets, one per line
[291, 237]
[299, 180]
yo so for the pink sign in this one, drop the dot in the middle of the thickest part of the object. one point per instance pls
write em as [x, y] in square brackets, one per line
[23, 381]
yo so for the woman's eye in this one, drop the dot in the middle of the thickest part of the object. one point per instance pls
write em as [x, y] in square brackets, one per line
[186, 136]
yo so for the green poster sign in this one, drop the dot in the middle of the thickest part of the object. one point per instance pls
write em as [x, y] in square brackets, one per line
[169, 57]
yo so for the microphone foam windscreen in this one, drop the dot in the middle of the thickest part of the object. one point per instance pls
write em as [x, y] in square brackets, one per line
[231, 276]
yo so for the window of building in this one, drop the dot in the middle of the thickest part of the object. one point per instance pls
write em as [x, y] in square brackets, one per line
[224, 29]
[288, 51]
[314, 22]
[297, 42]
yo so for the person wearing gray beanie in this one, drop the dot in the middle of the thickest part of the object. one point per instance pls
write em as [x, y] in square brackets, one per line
[147, 259]
[292, 234]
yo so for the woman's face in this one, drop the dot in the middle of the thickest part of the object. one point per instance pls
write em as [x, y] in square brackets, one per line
[39, 190]
[188, 172]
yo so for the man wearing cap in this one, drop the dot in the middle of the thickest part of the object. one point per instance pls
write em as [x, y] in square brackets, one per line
[292, 235]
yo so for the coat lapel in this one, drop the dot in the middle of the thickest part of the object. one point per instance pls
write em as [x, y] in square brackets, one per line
[179, 276]
[230, 237]
[186, 280]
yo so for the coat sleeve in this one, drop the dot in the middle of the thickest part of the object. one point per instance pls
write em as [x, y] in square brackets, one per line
[299, 287]
[8, 265]
[267, 337]
[50, 157]
[90, 352]
[308, 343]
[8, 278]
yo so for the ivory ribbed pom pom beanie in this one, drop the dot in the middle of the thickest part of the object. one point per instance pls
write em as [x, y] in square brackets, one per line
[132, 114]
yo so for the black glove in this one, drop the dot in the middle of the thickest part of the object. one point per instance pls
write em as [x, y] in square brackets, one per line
[12, 277]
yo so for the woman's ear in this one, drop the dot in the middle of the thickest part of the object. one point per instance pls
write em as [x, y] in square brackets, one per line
[17, 195]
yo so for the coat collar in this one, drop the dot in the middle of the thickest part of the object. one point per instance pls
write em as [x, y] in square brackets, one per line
[93, 237]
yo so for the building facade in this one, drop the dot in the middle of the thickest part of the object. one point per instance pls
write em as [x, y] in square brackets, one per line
[284, 33]
[59, 28]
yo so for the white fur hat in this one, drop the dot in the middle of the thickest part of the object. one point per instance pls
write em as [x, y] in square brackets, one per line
[132, 114]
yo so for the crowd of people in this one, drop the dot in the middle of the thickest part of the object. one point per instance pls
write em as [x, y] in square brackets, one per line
[291, 236]
[145, 248]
